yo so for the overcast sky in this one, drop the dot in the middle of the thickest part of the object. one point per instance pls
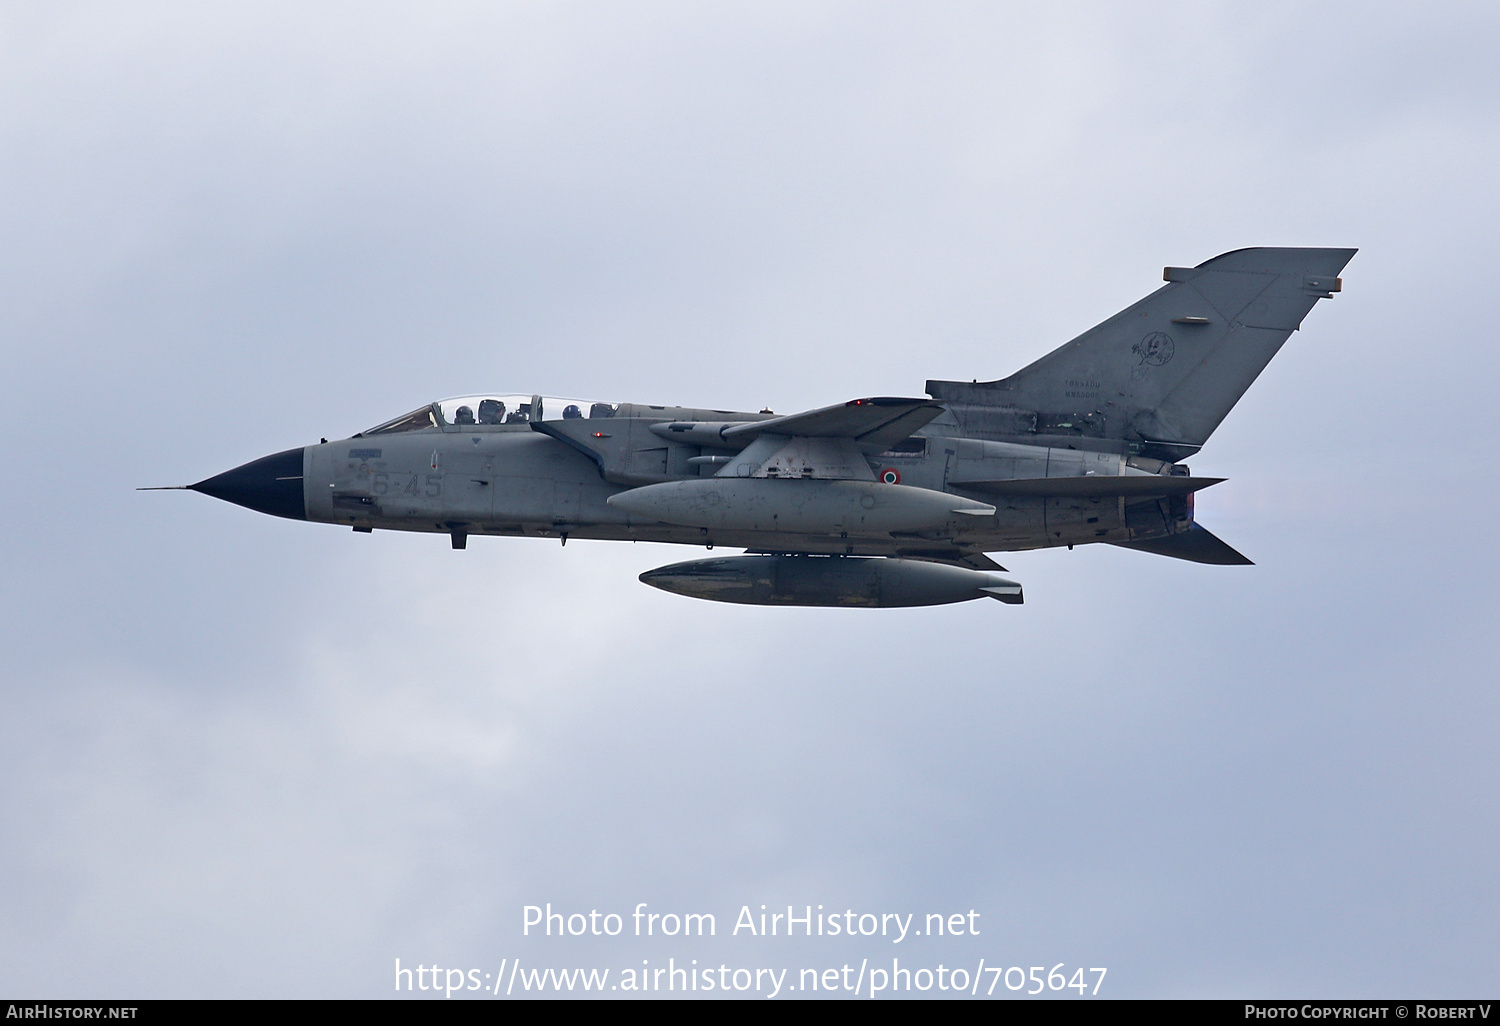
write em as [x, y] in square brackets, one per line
[246, 756]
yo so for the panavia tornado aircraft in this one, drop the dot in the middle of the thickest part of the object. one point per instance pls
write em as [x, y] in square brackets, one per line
[872, 502]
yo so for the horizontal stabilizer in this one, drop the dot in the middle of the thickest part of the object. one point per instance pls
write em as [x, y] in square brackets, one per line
[1141, 486]
[876, 423]
[1197, 545]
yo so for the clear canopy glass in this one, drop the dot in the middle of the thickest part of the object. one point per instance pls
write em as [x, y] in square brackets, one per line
[494, 410]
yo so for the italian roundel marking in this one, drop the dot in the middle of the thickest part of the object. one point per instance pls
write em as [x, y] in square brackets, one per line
[1156, 349]
[890, 475]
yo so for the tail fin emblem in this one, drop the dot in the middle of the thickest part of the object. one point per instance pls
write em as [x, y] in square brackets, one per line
[1156, 349]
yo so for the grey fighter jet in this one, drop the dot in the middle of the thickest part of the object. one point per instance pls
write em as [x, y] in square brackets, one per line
[872, 502]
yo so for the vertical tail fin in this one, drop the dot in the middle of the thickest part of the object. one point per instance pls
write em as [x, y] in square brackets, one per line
[1164, 372]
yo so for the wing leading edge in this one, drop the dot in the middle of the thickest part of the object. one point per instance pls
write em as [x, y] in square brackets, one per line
[876, 423]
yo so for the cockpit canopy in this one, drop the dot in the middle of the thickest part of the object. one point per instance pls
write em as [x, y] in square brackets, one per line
[492, 411]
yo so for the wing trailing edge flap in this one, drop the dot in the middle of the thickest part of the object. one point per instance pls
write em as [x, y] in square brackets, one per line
[1196, 545]
[875, 424]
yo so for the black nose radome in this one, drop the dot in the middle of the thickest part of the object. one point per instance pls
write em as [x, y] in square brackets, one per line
[271, 484]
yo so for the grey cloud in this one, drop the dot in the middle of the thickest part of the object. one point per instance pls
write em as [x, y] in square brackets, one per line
[253, 757]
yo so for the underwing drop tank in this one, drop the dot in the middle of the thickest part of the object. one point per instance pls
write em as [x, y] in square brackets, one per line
[795, 580]
[812, 507]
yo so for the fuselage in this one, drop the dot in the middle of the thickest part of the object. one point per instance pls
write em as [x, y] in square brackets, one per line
[440, 470]
[879, 501]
